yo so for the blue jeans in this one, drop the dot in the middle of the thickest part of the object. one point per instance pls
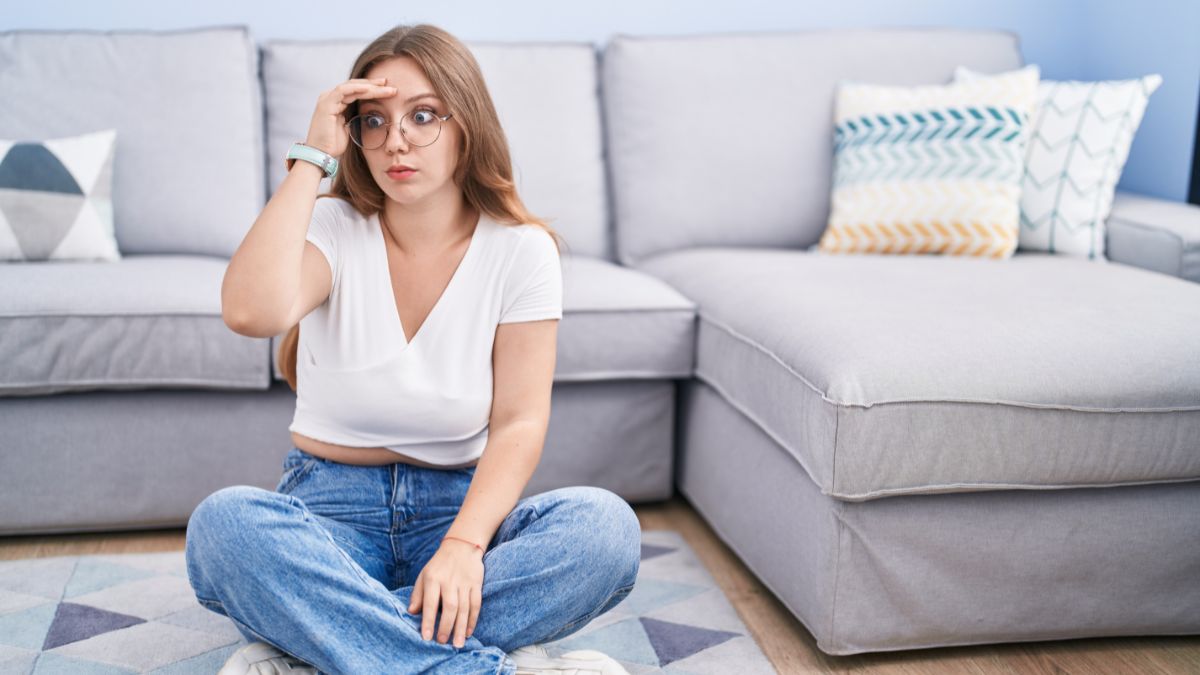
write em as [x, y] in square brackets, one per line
[323, 567]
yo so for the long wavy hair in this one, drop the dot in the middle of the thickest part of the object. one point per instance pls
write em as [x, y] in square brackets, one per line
[484, 165]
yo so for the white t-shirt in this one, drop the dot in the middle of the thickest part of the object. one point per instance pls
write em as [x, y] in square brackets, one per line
[361, 384]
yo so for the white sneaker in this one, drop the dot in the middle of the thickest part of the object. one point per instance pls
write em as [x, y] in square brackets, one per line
[535, 660]
[260, 658]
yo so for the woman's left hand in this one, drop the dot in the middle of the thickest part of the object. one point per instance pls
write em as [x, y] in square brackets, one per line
[454, 575]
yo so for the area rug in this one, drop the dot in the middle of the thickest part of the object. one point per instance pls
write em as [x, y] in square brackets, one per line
[135, 613]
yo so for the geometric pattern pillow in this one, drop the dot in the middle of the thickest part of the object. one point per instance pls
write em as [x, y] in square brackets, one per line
[56, 198]
[1080, 138]
[930, 169]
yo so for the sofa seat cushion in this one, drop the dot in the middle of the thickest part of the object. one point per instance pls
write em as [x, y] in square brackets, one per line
[618, 323]
[887, 375]
[142, 322]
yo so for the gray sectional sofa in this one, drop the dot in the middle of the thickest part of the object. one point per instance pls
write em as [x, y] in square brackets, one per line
[910, 451]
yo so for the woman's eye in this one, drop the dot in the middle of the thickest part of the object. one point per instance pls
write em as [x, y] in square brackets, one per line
[374, 121]
[423, 116]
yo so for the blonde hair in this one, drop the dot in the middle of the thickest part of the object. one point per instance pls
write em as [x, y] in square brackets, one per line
[484, 165]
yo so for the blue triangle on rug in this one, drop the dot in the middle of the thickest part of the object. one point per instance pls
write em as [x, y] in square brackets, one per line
[73, 623]
[651, 551]
[675, 641]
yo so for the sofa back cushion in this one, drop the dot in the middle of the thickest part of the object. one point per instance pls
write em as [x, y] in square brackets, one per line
[727, 139]
[545, 96]
[187, 171]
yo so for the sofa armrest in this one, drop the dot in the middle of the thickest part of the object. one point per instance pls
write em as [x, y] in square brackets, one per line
[1155, 234]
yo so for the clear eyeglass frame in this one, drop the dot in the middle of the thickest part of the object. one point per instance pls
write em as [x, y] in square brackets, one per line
[357, 119]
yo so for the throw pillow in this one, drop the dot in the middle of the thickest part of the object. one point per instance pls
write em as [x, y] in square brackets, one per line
[56, 198]
[930, 168]
[1080, 134]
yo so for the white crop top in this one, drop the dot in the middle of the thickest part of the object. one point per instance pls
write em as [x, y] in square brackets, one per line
[361, 384]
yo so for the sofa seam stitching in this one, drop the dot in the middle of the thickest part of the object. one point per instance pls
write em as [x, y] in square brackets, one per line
[764, 427]
[840, 506]
[837, 573]
[1014, 404]
[833, 461]
[939, 488]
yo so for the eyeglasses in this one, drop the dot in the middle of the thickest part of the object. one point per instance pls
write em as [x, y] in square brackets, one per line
[370, 130]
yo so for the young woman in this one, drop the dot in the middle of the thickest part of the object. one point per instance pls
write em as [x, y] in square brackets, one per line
[423, 304]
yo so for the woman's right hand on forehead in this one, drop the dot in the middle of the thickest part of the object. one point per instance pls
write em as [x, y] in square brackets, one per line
[328, 130]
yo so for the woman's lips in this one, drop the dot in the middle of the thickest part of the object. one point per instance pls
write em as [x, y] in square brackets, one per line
[398, 174]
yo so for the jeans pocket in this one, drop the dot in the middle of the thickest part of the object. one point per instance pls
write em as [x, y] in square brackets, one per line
[295, 457]
[296, 472]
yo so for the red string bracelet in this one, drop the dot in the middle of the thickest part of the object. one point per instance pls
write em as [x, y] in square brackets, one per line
[464, 540]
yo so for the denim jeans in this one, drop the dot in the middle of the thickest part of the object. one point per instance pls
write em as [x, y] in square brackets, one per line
[323, 567]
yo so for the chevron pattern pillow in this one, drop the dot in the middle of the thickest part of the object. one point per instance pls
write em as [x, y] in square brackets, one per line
[56, 198]
[1080, 135]
[931, 168]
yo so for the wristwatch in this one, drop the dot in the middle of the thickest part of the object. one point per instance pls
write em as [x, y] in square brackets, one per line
[308, 153]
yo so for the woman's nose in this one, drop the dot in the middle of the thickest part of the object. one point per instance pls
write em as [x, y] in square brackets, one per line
[396, 140]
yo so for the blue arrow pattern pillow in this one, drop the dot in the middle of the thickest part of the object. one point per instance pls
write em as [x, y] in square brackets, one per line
[56, 198]
[929, 168]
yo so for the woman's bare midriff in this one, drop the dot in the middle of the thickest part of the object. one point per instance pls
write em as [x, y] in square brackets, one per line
[363, 456]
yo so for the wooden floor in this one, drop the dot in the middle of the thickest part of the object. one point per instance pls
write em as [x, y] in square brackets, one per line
[781, 636]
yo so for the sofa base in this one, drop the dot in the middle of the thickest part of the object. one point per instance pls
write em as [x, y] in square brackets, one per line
[924, 571]
[134, 460]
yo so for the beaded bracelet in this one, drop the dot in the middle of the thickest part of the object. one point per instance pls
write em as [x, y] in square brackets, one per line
[464, 540]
